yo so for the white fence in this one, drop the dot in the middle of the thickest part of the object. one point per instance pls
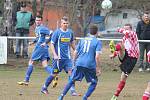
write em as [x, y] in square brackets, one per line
[103, 39]
[4, 39]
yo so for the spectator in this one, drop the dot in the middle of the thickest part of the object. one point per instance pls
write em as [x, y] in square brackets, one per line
[143, 33]
[23, 20]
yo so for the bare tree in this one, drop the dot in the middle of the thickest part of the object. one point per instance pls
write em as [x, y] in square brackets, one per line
[138, 5]
[7, 24]
[34, 7]
[80, 12]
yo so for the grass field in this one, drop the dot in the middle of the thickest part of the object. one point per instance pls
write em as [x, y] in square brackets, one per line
[106, 86]
[15, 70]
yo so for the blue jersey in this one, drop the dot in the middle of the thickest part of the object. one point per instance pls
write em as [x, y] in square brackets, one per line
[41, 33]
[62, 40]
[41, 52]
[86, 52]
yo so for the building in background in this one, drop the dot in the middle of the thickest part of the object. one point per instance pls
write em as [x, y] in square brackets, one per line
[120, 18]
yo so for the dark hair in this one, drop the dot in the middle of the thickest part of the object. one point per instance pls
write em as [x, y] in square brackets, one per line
[23, 4]
[128, 25]
[64, 18]
[93, 29]
[146, 12]
[39, 16]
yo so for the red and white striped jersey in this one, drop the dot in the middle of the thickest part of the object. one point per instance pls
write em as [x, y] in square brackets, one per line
[130, 41]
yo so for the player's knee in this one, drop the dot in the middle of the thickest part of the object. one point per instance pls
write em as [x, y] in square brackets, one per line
[30, 62]
[44, 63]
[72, 81]
[94, 82]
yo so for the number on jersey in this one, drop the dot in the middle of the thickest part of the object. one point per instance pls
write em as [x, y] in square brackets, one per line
[86, 45]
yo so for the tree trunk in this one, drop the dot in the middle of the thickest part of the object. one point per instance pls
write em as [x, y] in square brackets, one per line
[34, 7]
[7, 26]
[41, 6]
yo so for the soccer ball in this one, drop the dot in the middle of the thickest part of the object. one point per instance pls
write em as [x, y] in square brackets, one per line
[106, 4]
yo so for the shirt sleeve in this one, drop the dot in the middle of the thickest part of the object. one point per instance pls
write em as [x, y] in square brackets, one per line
[35, 40]
[99, 47]
[54, 37]
[45, 30]
[138, 30]
[72, 36]
[32, 20]
[14, 18]
[50, 36]
[121, 30]
[125, 32]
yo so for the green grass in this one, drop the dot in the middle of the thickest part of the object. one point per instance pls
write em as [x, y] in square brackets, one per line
[14, 71]
[107, 84]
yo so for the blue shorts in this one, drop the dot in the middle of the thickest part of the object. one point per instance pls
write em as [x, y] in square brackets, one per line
[80, 72]
[40, 53]
[59, 65]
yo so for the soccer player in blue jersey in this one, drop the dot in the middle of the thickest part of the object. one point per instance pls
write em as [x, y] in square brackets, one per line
[61, 42]
[86, 57]
[40, 52]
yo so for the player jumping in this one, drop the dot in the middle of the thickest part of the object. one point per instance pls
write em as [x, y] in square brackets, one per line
[128, 53]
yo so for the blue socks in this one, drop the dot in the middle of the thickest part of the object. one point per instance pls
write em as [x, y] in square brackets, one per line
[48, 81]
[50, 78]
[87, 94]
[84, 98]
[67, 87]
[90, 89]
[28, 73]
[48, 69]
[73, 84]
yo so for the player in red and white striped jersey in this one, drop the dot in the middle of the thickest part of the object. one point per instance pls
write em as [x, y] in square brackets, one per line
[128, 53]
